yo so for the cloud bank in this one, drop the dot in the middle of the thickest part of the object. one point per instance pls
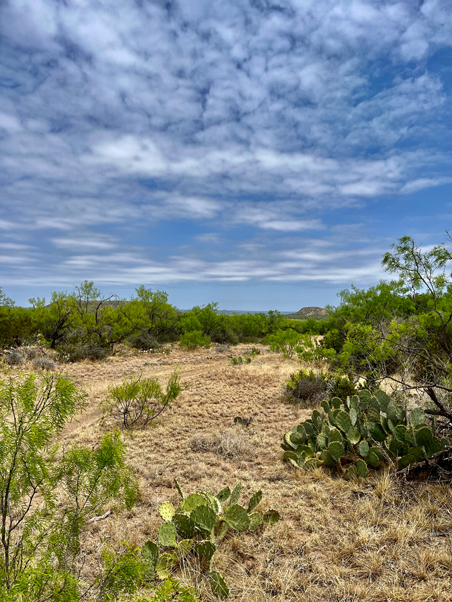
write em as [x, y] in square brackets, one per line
[132, 130]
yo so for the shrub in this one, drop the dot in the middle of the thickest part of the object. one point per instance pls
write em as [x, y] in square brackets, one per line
[306, 386]
[194, 339]
[14, 357]
[89, 350]
[137, 401]
[365, 431]
[228, 444]
[47, 495]
[44, 363]
[144, 341]
[312, 388]
[285, 341]
[197, 526]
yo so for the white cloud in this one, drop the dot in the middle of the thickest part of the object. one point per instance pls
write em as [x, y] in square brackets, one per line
[117, 116]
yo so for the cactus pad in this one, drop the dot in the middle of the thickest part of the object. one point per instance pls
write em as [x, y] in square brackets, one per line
[256, 521]
[373, 459]
[205, 548]
[363, 449]
[223, 495]
[296, 438]
[336, 450]
[343, 421]
[255, 500]
[193, 501]
[361, 468]
[218, 585]
[271, 517]
[167, 511]
[424, 435]
[235, 495]
[204, 518]
[150, 553]
[417, 417]
[237, 517]
[185, 527]
[167, 535]
[353, 435]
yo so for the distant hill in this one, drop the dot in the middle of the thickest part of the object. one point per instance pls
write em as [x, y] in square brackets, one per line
[309, 313]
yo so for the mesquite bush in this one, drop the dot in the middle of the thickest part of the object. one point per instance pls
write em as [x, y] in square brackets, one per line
[137, 401]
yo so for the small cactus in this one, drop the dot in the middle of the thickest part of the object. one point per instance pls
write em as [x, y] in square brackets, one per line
[200, 523]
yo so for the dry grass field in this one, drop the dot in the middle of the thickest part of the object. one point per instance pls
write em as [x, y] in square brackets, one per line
[375, 540]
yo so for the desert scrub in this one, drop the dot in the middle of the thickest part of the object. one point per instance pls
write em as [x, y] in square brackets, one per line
[197, 527]
[14, 358]
[310, 388]
[194, 339]
[137, 401]
[230, 444]
[44, 363]
[365, 431]
[48, 494]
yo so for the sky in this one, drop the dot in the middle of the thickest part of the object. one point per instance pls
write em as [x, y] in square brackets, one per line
[260, 154]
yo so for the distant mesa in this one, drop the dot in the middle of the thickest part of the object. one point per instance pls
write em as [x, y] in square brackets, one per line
[306, 313]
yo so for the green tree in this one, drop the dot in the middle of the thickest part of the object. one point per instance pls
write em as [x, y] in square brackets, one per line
[402, 331]
[46, 496]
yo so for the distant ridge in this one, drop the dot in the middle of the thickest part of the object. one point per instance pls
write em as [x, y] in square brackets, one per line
[306, 313]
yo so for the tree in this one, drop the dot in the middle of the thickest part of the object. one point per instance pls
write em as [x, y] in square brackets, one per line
[402, 330]
[46, 496]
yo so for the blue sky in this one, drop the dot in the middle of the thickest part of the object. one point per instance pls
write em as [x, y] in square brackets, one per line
[262, 154]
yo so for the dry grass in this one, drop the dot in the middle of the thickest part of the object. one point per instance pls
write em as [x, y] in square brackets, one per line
[232, 444]
[372, 541]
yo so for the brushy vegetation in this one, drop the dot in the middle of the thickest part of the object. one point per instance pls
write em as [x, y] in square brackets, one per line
[47, 495]
[310, 388]
[137, 401]
[397, 333]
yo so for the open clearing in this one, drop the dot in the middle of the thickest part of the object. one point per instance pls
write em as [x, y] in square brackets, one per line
[376, 540]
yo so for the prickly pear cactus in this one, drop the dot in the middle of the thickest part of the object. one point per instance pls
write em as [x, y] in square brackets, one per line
[366, 431]
[198, 525]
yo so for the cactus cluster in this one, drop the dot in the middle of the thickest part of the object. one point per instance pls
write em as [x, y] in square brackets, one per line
[364, 431]
[197, 526]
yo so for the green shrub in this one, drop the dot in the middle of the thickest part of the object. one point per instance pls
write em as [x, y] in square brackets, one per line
[194, 339]
[197, 526]
[306, 386]
[364, 431]
[144, 341]
[47, 494]
[285, 341]
[137, 401]
[311, 388]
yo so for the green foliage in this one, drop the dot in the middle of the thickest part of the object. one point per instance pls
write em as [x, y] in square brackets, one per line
[40, 541]
[310, 387]
[137, 401]
[237, 361]
[194, 339]
[197, 526]
[124, 572]
[363, 431]
[285, 341]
